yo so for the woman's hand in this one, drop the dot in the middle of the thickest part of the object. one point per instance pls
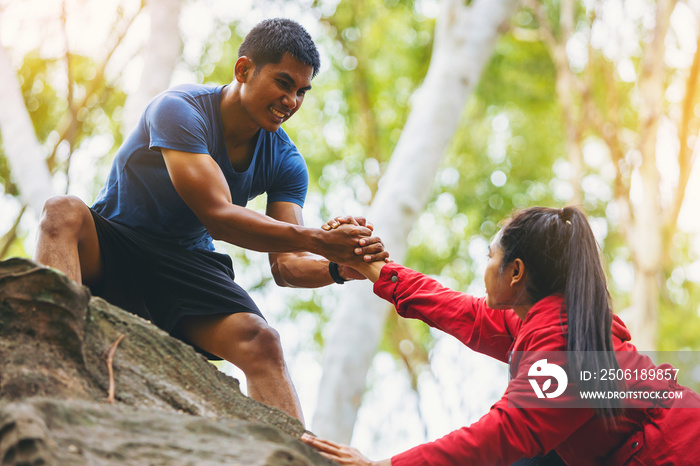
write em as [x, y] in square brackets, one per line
[336, 222]
[342, 454]
[348, 273]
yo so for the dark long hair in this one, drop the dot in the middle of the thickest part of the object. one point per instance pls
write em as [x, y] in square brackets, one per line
[561, 255]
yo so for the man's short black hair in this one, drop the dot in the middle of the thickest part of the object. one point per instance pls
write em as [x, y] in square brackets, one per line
[271, 39]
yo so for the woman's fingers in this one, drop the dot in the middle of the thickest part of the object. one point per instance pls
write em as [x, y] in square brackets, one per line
[342, 454]
[329, 456]
[337, 221]
[321, 444]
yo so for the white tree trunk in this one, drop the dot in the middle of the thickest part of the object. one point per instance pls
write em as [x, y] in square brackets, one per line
[160, 56]
[24, 153]
[464, 41]
[647, 240]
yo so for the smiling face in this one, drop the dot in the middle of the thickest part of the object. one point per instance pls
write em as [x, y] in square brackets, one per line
[272, 94]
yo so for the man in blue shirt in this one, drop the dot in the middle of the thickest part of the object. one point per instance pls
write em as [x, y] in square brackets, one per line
[182, 178]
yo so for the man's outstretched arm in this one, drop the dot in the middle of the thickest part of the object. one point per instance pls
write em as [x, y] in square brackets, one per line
[201, 184]
[304, 270]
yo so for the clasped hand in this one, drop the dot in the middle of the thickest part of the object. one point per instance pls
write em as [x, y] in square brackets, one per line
[366, 249]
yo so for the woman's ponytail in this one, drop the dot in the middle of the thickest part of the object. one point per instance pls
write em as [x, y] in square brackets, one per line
[588, 310]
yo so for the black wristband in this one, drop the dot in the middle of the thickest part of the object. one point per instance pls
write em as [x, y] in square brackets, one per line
[335, 274]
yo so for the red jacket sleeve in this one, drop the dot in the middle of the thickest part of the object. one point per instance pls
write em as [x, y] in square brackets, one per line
[465, 317]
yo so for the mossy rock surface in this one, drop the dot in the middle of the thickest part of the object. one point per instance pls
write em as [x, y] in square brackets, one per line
[171, 405]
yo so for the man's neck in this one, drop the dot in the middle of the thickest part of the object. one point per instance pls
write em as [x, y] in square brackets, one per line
[239, 130]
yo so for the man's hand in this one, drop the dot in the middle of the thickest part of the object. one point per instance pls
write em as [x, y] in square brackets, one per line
[371, 248]
[346, 242]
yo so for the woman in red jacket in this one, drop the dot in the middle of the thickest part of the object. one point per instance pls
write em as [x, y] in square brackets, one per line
[547, 314]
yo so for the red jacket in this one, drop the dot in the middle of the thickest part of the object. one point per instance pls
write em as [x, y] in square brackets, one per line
[652, 436]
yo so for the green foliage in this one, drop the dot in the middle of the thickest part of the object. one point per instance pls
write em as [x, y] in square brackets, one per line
[220, 54]
[316, 306]
[59, 129]
[679, 315]
[95, 101]
[524, 76]
[9, 188]
[44, 103]
[379, 52]
[512, 126]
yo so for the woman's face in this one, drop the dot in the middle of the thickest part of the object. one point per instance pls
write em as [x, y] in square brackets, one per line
[504, 286]
[493, 278]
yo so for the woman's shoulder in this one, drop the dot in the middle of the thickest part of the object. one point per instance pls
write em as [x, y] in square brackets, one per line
[545, 327]
[546, 312]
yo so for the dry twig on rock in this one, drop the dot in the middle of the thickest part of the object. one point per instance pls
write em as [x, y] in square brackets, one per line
[110, 370]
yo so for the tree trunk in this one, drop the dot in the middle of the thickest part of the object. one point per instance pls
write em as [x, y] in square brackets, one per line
[465, 37]
[648, 228]
[565, 85]
[160, 56]
[24, 153]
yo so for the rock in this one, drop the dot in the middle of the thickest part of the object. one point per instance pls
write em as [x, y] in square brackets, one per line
[171, 405]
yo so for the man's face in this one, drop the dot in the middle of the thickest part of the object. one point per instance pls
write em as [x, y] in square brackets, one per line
[273, 94]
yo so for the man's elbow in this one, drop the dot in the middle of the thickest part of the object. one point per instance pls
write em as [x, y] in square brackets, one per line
[279, 271]
[216, 233]
[214, 224]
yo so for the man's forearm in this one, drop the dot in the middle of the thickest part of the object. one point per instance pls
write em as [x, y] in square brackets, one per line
[301, 270]
[252, 230]
[258, 232]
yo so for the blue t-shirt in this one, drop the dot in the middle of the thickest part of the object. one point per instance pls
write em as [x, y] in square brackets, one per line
[139, 193]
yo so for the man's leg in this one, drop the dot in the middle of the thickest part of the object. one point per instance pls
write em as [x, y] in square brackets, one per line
[245, 340]
[68, 241]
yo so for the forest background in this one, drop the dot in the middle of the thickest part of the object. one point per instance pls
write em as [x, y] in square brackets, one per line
[435, 119]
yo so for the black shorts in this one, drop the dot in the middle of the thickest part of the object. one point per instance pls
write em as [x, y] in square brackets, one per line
[164, 283]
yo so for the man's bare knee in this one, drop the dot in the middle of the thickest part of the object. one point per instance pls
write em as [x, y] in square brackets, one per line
[62, 216]
[261, 350]
[68, 241]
